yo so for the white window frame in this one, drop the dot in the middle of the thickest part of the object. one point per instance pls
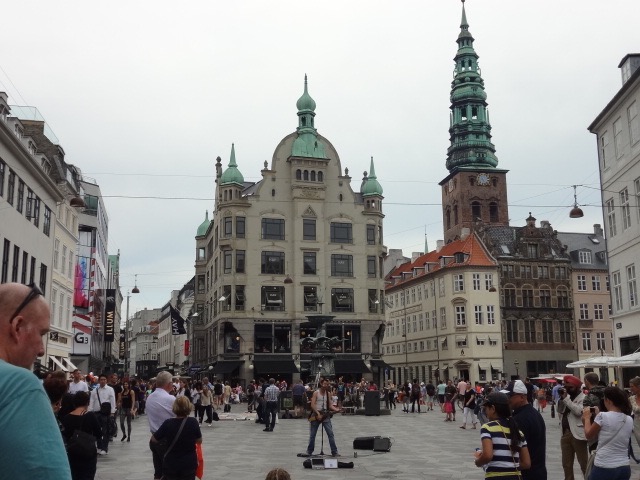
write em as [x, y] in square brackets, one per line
[582, 283]
[617, 137]
[491, 315]
[477, 312]
[461, 316]
[476, 281]
[626, 209]
[458, 282]
[632, 286]
[586, 341]
[611, 217]
[595, 283]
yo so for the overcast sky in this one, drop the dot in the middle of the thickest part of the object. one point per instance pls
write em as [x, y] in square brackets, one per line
[144, 95]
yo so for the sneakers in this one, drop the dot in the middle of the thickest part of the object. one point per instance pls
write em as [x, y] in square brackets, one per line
[102, 452]
[336, 454]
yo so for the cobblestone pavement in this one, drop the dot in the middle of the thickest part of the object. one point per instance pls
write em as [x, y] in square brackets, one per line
[424, 447]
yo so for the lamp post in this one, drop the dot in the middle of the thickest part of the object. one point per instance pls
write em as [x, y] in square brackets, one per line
[127, 358]
[516, 364]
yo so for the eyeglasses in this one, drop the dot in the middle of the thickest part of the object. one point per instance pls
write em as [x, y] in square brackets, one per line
[33, 293]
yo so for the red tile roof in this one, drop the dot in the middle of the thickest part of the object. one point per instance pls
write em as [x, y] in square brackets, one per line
[475, 255]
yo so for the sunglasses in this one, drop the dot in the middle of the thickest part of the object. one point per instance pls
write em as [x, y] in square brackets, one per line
[33, 293]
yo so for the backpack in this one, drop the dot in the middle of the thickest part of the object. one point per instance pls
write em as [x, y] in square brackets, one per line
[415, 389]
[431, 390]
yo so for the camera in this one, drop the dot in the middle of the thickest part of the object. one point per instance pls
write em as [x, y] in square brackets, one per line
[592, 410]
[561, 391]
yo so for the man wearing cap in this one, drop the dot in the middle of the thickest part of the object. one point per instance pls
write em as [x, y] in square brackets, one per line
[573, 442]
[532, 425]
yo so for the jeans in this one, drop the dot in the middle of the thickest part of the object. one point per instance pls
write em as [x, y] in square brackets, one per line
[415, 399]
[157, 452]
[313, 429]
[271, 412]
[103, 441]
[616, 473]
[470, 415]
[207, 409]
[125, 414]
[572, 447]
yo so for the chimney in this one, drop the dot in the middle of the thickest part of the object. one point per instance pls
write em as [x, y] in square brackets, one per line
[439, 245]
[597, 230]
[544, 224]
[628, 66]
[464, 233]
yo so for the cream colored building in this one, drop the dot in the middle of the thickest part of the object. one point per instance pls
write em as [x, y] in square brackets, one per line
[301, 241]
[443, 316]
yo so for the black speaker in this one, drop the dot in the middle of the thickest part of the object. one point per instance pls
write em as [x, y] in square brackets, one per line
[363, 443]
[381, 444]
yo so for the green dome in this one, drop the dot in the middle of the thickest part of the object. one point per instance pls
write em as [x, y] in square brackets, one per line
[204, 226]
[232, 174]
[371, 186]
[305, 102]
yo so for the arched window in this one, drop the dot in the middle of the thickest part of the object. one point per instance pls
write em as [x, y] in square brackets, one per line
[273, 192]
[493, 212]
[447, 215]
[225, 195]
[306, 175]
[455, 214]
[475, 211]
[298, 174]
[313, 175]
[340, 197]
[320, 176]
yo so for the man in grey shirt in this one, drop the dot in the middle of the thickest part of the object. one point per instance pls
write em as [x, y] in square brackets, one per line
[159, 407]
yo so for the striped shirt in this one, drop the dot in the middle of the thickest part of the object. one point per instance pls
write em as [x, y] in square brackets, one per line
[271, 393]
[502, 463]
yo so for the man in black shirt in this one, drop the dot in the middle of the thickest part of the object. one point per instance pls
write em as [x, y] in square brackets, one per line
[532, 425]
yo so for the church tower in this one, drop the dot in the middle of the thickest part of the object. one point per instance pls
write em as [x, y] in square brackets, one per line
[474, 189]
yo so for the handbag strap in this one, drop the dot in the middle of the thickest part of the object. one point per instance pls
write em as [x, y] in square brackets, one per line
[513, 458]
[600, 445]
[175, 439]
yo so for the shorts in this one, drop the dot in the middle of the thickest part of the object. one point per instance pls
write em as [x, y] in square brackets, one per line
[298, 401]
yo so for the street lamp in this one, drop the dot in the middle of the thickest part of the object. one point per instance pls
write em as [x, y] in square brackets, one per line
[127, 360]
[516, 364]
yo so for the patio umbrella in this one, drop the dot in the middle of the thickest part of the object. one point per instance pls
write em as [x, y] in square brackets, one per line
[631, 360]
[600, 361]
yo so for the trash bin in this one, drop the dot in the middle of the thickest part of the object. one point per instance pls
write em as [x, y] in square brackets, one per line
[372, 402]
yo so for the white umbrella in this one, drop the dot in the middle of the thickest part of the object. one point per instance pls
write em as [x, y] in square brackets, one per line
[600, 361]
[631, 360]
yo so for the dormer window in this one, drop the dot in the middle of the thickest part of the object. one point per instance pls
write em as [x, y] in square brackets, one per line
[584, 257]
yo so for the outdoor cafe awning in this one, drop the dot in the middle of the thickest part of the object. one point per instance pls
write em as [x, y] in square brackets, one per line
[226, 366]
[265, 364]
[380, 364]
[350, 365]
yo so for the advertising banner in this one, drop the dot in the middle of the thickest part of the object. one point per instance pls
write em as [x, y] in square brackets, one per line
[123, 338]
[110, 316]
[81, 334]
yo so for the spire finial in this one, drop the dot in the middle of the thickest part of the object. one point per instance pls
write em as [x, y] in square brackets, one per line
[232, 160]
[463, 22]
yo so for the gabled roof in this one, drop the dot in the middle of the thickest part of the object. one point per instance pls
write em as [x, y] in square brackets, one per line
[474, 254]
[580, 242]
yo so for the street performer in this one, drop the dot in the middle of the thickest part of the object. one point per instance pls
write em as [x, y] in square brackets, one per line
[322, 410]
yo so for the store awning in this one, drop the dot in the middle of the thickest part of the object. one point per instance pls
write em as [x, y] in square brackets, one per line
[274, 364]
[461, 338]
[226, 366]
[71, 365]
[484, 366]
[481, 338]
[380, 364]
[58, 363]
[350, 365]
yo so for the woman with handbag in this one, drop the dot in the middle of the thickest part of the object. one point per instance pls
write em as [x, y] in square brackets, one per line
[504, 449]
[181, 434]
[81, 430]
[126, 402]
[612, 429]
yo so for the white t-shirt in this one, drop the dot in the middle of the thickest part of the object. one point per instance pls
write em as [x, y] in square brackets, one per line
[81, 386]
[613, 451]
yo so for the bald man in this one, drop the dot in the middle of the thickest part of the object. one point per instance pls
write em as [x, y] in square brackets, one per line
[31, 444]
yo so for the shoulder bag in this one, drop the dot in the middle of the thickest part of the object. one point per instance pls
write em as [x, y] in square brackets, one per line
[105, 408]
[82, 444]
[592, 455]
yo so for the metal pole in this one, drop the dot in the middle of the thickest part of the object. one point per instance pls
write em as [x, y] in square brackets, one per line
[127, 360]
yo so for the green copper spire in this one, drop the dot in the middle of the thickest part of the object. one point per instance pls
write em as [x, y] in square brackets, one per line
[204, 226]
[307, 144]
[232, 174]
[470, 131]
[371, 186]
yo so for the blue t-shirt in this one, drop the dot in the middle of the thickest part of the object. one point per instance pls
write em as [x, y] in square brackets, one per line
[30, 443]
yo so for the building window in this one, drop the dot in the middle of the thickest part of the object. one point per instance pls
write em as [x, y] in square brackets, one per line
[601, 343]
[272, 298]
[586, 341]
[342, 265]
[273, 228]
[488, 281]
[11, 186]
[341, 232]
[545, 298]
[584, 311]
[611, 217]
[617, 137]
[458, 283]
[512, 331]
[342, 300]
[493, 212]
[461, 316]
[475, 211]
[543, 272]
[200, 283]
[309, 263]
[509, 296]
[530, 331]
[373, 301]
[310, 299]
[563, 298]
[273, 263]
[604, 146]
[477, 310]
[565, 331]
[43, 278]
[634, 123]
[228, 226]
[20, 204]
[56, 253]
[201, 255]
[532, 250]
[547, 331]
[240, 297]
[371, 234]
[561, 273]
[631, 285]
[584, 257]
[228, 262]
[617, 291]
[371, 266]
[595, 282]
[598, 311]
[240, 261]
[526, 272]
[491, 315]
[582, 283]
[25, 266]
[16, 263]
[508, 271]
[476, 281]
[527, 297]
[626, 209]
[240, 227]
[443, 318]
[3, 169]
[308, 229]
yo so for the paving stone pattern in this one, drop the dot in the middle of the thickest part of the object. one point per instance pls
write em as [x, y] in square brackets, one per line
[424, 447]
